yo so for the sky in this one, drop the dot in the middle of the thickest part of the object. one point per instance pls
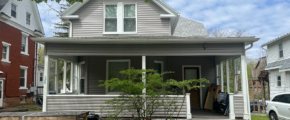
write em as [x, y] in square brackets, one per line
[265, 19]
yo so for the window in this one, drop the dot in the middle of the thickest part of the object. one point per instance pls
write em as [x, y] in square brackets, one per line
[23, 77]
[278, 80]
[111, 18]
[120, 18]
[129, 18]
[82, 77]
[24, 44]
[282, 98]
[218, 67]
[5, 52]
[280, 50]
[13, 10]
[113, 70]
[28, 18]
[158, 66]
[41, 77]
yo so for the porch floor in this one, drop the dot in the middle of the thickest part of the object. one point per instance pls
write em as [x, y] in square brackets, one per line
[199, 114]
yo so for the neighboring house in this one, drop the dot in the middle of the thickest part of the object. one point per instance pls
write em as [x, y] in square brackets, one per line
[259, 74]
[106, 37]
[39, 84]
[19, 22]
[278, 61]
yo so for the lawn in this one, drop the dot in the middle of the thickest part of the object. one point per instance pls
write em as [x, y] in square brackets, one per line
[259, 117]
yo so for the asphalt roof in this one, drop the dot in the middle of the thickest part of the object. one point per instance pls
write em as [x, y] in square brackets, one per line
[186, 27]
[277, 39]
[284, 65]
[3, 3]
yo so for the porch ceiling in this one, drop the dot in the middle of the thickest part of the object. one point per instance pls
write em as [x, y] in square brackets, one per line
[145, 40]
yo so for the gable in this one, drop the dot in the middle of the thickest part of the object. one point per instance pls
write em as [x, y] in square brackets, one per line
[3, 3]
[157, 9]
[23, 7]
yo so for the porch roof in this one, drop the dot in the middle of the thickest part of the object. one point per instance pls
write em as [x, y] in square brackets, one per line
[144, 40]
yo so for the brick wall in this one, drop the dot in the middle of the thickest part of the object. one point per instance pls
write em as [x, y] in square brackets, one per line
[13, 36]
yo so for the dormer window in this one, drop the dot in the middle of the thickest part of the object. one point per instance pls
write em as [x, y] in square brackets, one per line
[28, 18]
[120, 18]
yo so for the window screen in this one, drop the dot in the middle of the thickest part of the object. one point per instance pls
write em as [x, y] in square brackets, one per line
[23, 46]
[158, 67]
[281, 50]
[28, 18]
[129, 18]
[4, 52]
[111, 18]
[22, 78]
[13, 10]
[41, 77]
[278, 80]
[114, 69]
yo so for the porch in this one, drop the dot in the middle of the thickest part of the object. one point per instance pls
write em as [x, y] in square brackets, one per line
[202, 57]
[85, 94]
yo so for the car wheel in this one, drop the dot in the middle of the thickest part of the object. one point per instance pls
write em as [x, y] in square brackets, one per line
[273, 116]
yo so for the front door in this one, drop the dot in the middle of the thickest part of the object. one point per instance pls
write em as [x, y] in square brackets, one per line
[193, 73]
[1, 93]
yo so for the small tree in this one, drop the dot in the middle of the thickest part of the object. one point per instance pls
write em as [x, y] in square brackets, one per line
[143, 106]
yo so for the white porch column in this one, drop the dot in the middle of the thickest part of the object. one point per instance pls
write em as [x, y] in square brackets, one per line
[46, 82]
[188, 107]
[56, 75]
[228, 76]
[232, 113]
[245, 91]
[64, 77]
[143, 75]
[217, 74]
[76, 78]
[234, 75]
[222, 78]
[71, 76]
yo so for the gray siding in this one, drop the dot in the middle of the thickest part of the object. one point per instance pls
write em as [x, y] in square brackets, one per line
[239, 106]
[98, 105]
[145, 49]
[81, 59]
[97, 71]
[149, 22]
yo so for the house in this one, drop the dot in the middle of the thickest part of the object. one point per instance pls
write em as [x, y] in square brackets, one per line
[108, 36]
[278, 64]
[37, 94]
[259, 75]
[19, 22]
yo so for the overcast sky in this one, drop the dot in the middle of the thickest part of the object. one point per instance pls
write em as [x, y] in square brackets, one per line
[265, 19]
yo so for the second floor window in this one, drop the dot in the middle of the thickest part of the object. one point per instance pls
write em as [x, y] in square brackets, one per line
[280, 50]
[120, 18]
[13, 10]
[23, 44]
[28, 18]
[278, 81]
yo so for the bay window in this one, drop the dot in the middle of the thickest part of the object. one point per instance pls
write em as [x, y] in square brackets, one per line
[120, 18]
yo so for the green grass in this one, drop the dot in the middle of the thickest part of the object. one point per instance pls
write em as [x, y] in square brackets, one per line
[30, 107]
[259, 117]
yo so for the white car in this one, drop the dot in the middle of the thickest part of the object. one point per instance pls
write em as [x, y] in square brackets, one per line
[279, 107]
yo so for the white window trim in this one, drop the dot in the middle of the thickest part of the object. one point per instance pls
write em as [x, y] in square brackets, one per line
[120, 17]
[25, 75]
[26, 48]
[15, 11]
[29, 18]
[79, 80]
[8, 52]
[107, 73]
[162, 65]
[277, 80]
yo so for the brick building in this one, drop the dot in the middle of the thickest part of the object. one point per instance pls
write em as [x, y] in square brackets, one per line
[19, 22]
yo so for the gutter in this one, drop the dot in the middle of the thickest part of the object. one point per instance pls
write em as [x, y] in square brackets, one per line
[250, 47]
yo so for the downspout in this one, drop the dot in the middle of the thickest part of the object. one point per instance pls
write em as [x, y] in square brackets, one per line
[247, 82]
[70, 28]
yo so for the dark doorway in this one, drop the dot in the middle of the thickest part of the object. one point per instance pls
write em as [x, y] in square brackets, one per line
[193, 73]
